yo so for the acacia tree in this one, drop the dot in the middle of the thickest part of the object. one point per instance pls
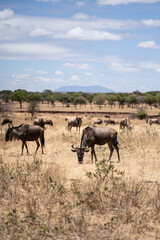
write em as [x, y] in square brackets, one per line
[34, 99]
[132, 99]
[80, 100]
[51, 99]
[158, 99]
[63, 98]
[100, 100]
[90, 98]
[150, 99]
[19, 96]
[111, 100]
[121, 98]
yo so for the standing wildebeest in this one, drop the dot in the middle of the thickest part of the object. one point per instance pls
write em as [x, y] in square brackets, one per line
[98, 121]
[125, 123]
[154, 120]
[26, 132]
[76, 122]
[92, 136]
[6, 121]
[40, 122]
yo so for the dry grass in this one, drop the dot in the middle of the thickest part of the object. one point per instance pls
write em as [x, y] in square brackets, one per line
[50, 196]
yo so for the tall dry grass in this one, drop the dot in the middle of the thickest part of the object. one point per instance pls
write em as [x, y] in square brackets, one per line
[50, 196]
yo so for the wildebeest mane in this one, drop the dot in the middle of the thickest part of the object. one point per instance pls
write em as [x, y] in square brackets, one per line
[88, 133]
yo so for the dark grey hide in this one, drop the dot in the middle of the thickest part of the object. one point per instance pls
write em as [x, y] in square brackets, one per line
[77, 122]
[92, 136]
[40, 122]
[25, 133]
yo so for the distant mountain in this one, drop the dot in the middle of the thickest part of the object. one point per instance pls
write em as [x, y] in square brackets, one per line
[87, 89]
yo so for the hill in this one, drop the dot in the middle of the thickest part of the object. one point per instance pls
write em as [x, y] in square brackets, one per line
[88, 89]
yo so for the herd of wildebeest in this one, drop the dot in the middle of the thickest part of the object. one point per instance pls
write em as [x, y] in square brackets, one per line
[91, 135]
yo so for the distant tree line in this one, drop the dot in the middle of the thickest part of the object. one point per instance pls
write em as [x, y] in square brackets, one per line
[132, 100]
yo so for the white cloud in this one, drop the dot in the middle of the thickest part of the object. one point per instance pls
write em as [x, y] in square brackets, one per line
[148, 44]
[78, 66]
[151, 22]
[21, 76]
[53, 1]
[81, 16]
[42, 72]
[58, 72]
[150, 66]
[88, 74]
[38, 32]
[87, 34]
[79, 26]
[41, 79]
[69, 64]
[6, 14]
[33, 50]
[74, 78]
[119, 65]
[18, 79]
[80, 3]
[116, 2]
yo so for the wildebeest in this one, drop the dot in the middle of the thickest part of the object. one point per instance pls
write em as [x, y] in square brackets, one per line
[92, 136]
[154, 120]
[40, 122]
[125, 123]
[110, 121]
[98, 121]
[6, 121]
[25, 132]
[76, 122]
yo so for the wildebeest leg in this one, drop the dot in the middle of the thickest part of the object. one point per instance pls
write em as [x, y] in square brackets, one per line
[24, 144]
[111, 151]
[37, 145]
[26, 147]
[117, 149]
[22, 148]
[93, 153]
[42, 141]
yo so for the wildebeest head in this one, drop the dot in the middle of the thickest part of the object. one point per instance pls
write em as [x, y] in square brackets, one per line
[6, 120]
[80, 153]
[9, 134]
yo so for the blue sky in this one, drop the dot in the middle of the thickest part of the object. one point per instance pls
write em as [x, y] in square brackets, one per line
[45, 44]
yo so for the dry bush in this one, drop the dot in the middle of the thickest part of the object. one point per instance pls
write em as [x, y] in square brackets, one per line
[38, 202]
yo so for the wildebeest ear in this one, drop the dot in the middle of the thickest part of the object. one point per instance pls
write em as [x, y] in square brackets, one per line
[74, 150]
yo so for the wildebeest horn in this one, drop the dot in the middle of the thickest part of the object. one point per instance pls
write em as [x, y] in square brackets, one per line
[74, 147]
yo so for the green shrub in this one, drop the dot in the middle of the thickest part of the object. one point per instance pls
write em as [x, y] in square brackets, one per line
[141, 114]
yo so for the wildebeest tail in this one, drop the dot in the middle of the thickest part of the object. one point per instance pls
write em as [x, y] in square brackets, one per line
[116, 143]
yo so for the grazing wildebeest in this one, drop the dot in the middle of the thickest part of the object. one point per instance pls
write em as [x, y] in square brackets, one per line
[154, 120]
[98, 121]
[40, 122]
[92, 136]
[125, 123]
[6, 121]
[106, 116]
[25, 132]
[110, 121]
[76, 122]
